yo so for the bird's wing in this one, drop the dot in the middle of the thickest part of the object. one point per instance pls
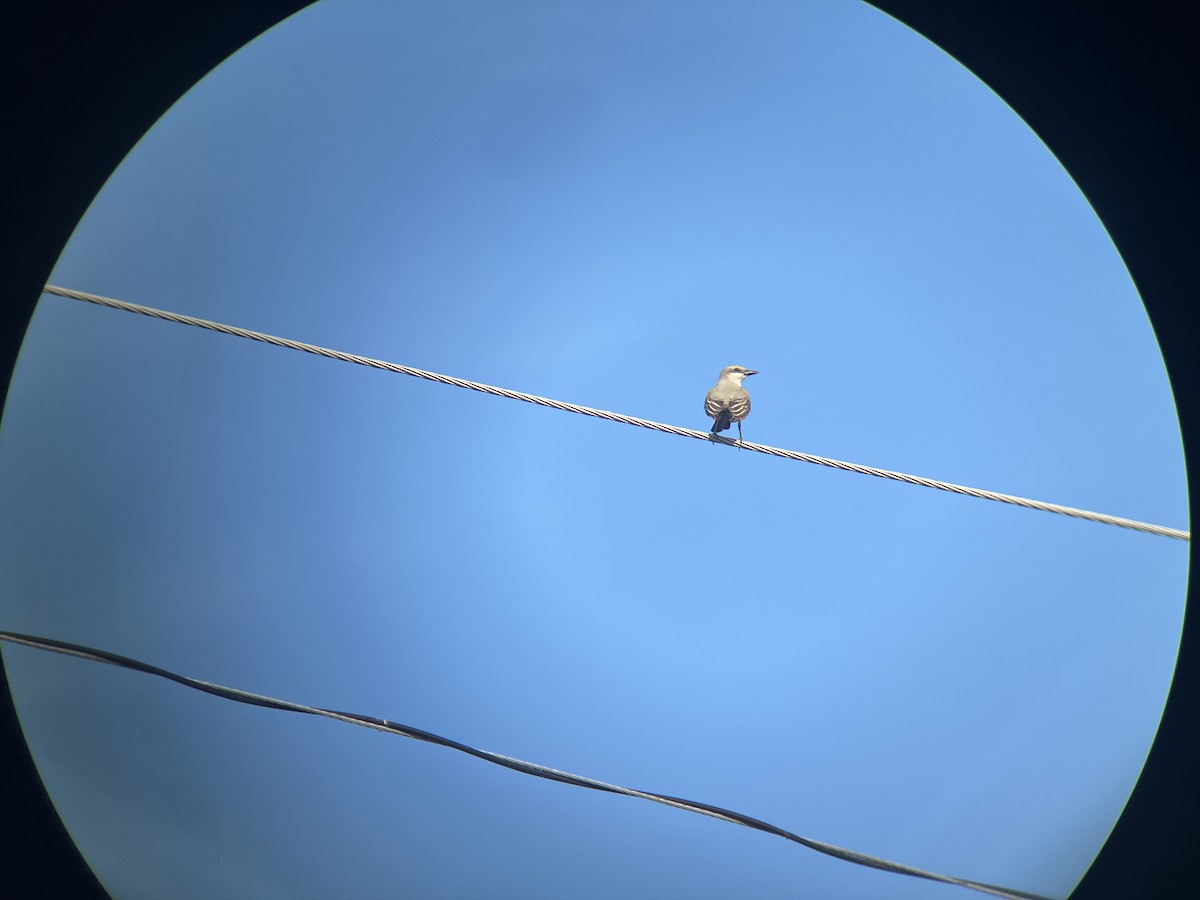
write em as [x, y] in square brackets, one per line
[739, 406]
[713, 404]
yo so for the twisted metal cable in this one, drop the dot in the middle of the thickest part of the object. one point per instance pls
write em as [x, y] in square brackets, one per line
[1103, 518]
[509, 762]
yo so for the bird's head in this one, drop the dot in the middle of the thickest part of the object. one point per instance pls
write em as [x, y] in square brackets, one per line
[736, 374]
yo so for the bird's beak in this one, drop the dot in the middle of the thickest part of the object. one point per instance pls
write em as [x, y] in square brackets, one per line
[752, 372]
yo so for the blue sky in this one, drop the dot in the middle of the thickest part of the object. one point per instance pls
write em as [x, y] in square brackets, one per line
[605, 204]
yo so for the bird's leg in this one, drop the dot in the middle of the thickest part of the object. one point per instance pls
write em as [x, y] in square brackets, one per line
[739, 434]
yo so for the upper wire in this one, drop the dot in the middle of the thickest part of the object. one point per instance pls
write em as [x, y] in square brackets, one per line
[1103, 518]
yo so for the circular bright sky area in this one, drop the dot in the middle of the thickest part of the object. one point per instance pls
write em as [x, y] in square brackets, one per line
[602, 203]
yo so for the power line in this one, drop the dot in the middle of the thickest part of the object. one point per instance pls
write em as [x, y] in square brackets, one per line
[509, 762]
[1071, 511]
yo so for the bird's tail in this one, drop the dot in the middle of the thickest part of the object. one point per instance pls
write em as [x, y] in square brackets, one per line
[721, 422]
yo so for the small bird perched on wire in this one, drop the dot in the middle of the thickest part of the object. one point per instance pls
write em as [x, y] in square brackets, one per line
[728, 401]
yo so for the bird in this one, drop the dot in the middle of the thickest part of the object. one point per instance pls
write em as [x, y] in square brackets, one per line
[727, 401]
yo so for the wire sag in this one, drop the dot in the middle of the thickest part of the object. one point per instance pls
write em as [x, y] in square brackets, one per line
[509, 762]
